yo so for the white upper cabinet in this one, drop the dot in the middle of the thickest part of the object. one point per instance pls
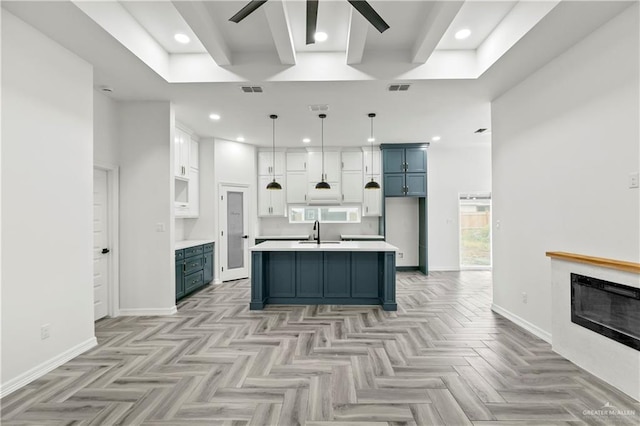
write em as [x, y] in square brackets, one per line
[194, 155]
[332, 166]
[182, 146]
[352, 186]
[296, 188]
[367, 162]
[351, 160]
[297, 161]
[265, 163]
[372, 198]
[270, 202]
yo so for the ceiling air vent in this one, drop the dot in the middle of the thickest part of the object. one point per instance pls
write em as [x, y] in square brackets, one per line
[319, 108]
[251, 89]
[480, 130]
[399, 87]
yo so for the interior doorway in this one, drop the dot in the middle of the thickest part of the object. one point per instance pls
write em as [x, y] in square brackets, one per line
[234, 232]
[475, 231]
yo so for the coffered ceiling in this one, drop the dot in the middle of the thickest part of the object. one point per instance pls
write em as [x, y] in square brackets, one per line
[132, 48]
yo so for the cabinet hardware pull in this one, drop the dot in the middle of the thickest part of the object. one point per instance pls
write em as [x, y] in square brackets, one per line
[367, 209]
[342, 197]
[304, 165]
[343, 164]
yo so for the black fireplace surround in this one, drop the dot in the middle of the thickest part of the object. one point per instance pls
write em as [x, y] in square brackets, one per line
[607, 308]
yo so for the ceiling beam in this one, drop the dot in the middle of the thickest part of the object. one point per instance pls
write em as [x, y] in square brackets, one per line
[438, 20]
[197, 16]
[356, 38]
[278, 20]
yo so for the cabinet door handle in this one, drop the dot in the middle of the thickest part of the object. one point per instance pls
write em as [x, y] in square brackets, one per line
[184, 266]
[367, 209]
[343, 164]
[342, 197]
[305, 197]
[304, 165]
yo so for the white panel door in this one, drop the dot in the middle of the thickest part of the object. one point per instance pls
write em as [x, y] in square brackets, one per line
[234, 234]
[100, 244]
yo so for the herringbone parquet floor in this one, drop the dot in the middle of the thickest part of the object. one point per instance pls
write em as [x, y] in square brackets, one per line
[443, 358]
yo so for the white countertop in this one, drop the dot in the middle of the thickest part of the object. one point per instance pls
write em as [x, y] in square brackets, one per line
[190, 243]
[282, 237]
[361, 237]
[336, 246]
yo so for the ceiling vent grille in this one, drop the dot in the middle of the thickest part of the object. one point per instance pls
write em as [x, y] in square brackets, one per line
[399, 87]
[251, 89]
[319, 108]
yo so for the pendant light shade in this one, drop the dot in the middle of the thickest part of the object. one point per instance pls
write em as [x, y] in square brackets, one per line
[322, 184]
[372, 184]
[273, 185]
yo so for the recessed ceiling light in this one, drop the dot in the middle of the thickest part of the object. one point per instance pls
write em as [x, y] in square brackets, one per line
[306, 140]
[214, 116]
[320, 36]
[181, 38]
[240, 139]
[371, 139]
[463, 33]
[435, 138]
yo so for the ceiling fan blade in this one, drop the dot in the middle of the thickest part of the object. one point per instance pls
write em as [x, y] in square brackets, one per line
[312, 20]
[247, 10]
[370, 15]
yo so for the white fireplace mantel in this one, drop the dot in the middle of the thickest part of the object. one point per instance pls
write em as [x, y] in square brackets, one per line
[613, 362]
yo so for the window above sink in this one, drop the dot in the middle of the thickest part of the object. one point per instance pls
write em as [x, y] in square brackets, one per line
[325, 214]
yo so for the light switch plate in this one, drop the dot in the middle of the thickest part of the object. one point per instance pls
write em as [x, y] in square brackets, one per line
[634, 180]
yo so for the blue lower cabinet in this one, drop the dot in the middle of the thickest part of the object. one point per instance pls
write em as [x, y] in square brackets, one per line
[282, 274]
[337, 274]
[365, 274]
[309, 274]
[179, 274]
[208, 267]
[194, 269]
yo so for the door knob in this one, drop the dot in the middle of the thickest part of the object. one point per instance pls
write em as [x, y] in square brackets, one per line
[105, 250]
[245, 236]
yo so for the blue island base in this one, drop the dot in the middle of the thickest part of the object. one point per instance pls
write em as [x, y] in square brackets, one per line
[323, 278]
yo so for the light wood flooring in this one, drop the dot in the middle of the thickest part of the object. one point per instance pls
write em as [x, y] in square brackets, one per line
[443, 358]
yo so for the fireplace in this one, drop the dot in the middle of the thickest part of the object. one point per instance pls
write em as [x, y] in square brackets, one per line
[607, 308]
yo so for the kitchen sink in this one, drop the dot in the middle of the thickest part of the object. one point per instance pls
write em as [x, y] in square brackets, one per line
[322, 242]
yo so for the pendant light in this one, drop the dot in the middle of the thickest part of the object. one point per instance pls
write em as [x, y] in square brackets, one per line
[322, 184]
[273, 185]
[372, 184]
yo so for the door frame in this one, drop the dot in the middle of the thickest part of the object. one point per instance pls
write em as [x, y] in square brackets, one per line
[483, 195]
[113, 264]
[222, 224]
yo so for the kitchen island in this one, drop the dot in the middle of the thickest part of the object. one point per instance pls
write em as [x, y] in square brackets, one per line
[329, 273]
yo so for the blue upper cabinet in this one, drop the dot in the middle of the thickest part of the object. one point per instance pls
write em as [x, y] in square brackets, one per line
[405, 170]
[393, 161]
[415, 160]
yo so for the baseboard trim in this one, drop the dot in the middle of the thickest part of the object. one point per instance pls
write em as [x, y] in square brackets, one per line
[444, 268]
[217, 281]
[147, 312]
[45, 367]
[531, 328]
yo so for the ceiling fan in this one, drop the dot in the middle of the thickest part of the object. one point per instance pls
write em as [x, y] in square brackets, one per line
[361, 6]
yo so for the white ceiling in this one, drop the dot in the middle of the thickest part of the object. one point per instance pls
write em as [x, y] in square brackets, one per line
[452, 84]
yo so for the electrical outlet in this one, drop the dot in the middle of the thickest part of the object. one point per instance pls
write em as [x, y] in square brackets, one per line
[160, 227]
[400, 255]
[44, 331]
[525, 297]
[634, 180]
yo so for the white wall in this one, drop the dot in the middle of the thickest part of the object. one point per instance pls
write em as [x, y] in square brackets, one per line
[330, 231]
[147, 275]
[401, 228]
[47, 191]
[105, 130]
[235, 163]
[564, 143]
[453, 169]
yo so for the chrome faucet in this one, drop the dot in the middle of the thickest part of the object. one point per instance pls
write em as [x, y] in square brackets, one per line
[317, 224]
